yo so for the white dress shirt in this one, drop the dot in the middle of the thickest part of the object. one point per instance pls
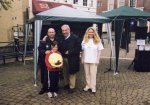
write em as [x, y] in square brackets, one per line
[91, 50]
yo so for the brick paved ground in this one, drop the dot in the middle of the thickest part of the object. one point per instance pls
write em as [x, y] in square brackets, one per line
[126, 88]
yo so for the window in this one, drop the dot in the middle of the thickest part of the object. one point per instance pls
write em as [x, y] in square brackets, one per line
[84, 2]
[132, 3]
[75, 1]
[110, 4]
[121, 3]
[99, 4]
[62, 1]
[91, 3]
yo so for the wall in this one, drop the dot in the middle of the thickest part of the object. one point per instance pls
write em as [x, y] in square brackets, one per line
[103, 6]
[147, 5]
[11, 17]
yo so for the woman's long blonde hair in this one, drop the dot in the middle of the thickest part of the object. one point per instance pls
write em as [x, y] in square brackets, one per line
[96, 37]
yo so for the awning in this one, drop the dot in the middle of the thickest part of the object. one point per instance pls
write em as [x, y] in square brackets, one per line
[40, 6]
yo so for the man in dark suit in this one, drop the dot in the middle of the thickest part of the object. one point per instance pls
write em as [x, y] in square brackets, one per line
[45, 45]
[70, 47]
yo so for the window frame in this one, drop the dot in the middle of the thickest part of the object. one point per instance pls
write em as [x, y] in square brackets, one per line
[85, 3]
[120, 1]
[134, 3]
[75, 1]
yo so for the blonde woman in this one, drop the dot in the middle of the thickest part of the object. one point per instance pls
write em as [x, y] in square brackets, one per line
[91, 50]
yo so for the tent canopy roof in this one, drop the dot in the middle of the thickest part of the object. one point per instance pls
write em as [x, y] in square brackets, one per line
[65, 13]
[126, 12]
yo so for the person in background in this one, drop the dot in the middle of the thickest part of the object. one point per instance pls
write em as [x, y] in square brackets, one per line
[70, 47]
[43, 47]
[91, 50]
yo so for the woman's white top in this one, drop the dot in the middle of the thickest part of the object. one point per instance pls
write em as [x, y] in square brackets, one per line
[90, 51]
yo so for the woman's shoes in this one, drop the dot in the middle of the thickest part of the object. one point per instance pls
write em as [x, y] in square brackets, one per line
[93, 90]
[86, 88]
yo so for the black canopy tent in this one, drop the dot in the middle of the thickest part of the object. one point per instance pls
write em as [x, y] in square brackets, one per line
[64, 14]
[120, 16]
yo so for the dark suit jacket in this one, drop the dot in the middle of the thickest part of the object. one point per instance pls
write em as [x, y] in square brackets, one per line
[73, 46]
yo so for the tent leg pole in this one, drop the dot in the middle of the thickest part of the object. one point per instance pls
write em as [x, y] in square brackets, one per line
[111, 46]
[35, 55]
[110, 40]
[109, 69]
[26, 41]
[35, 84]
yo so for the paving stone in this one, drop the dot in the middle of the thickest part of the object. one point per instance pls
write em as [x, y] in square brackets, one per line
[126, 88]
[36, 104]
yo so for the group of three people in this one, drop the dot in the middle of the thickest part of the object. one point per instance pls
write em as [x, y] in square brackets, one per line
[70, 47]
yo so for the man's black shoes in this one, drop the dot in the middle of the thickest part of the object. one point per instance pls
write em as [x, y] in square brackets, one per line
[70, 91]
[66, 87]
[42, 92]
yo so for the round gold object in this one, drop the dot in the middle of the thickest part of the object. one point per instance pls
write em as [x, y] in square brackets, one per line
[55, 60]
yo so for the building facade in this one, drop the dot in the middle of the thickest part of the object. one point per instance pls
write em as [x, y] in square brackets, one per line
[85, 5]
[14, 16]
[107, 5]
[22, 10]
